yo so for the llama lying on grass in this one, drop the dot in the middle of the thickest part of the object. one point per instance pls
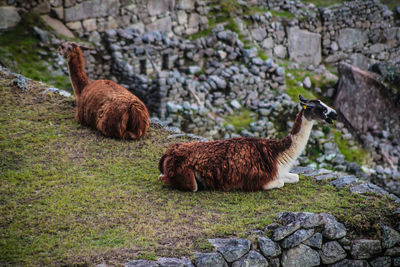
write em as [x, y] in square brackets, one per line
[103, 104]
[242, 163]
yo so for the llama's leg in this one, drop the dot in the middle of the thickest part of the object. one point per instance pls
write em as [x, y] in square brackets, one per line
[277, 183]
[290, 178]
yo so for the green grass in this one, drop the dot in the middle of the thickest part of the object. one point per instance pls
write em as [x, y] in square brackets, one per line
[19, 52]
[240, 119]
[282, 14]
[324, 3]
[353, 154]
[70, 196]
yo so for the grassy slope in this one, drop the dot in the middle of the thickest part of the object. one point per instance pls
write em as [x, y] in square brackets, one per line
[71, 196]
[19, 52]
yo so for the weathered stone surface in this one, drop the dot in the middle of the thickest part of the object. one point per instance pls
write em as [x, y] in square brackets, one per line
[345, 181]
[390, 237]
[268, 247]
[174, 262]
[332, 229]
[315, 241]
[231, 249]
[368, 188]
[163, 24]
[253, 259]
[89, 25]
[352, 38]
[259, 34]
[9, 17]
[296, 238]
[58, 26]
[210, 260]
[362, 101]
[351, 263]
[306, 219]
[297, 40]
[284, 231]
[156, 7]
[365, 249]
[395, 251]
[301, 170]
[280, 51]
[185, 4]
[91, 9]
[301, 256]
[381, 262]
[332, 252]
[140, 263]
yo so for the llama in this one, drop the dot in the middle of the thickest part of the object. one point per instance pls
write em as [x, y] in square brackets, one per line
[103, 104]
[248, 164]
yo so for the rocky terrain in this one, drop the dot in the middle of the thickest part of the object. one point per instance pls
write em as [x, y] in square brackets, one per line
[221, 69]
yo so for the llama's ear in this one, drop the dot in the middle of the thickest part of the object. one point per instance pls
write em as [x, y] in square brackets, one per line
[302, 99]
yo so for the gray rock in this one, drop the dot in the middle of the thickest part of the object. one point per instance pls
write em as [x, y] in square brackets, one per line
[284, 231]
[268, 247]
[268, 43]
[381, 262]
[296, 238]
[91, 9]
[163, 24]
[395, 251]
[345, 181]
[390, 237]
[332, 229]
[280, 71]
[365, 249]
[396, 262]
[351, 263]
[209, 260]
[253, 259]
[332, 252]
[221, 83]
[307, 82]
[326, 177]
[174, 262]
[315, 241]
[140, 263]
[301, 256]
[306, 219]
[21, 82]
[301, 170]
[280, 51]
[231, 249]
[185, 4]
[352, 38]
[235, 104]
[259, 34]
[251, 52]
[156, 7]
[9, 17]
[275, 262]
[297, 40]
[257, 61]
[368, 188]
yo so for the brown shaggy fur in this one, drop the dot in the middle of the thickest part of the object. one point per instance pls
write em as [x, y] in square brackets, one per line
[237, 163]
[103, 104]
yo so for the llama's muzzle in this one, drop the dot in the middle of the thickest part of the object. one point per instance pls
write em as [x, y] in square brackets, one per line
[331, 116]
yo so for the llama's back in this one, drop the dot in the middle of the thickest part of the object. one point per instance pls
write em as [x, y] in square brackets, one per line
[244, 163]
[113, 110]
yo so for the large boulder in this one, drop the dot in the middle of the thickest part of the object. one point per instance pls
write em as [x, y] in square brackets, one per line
[9, 17]
[363, 101]
[58, 26]
[304, 47]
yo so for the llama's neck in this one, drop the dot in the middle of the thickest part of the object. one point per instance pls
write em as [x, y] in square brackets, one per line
[77, 75]
[299, 136]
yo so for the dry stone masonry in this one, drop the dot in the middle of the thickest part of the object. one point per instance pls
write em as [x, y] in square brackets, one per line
[296, 239]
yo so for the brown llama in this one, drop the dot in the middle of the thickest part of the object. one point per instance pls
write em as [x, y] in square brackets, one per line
[242, 163]
[103, 104]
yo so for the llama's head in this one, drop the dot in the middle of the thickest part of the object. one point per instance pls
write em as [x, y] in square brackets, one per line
[316, 110]
[69, 49]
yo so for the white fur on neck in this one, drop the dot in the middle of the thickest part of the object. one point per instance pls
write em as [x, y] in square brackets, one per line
[299, 141]
[70, 78]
